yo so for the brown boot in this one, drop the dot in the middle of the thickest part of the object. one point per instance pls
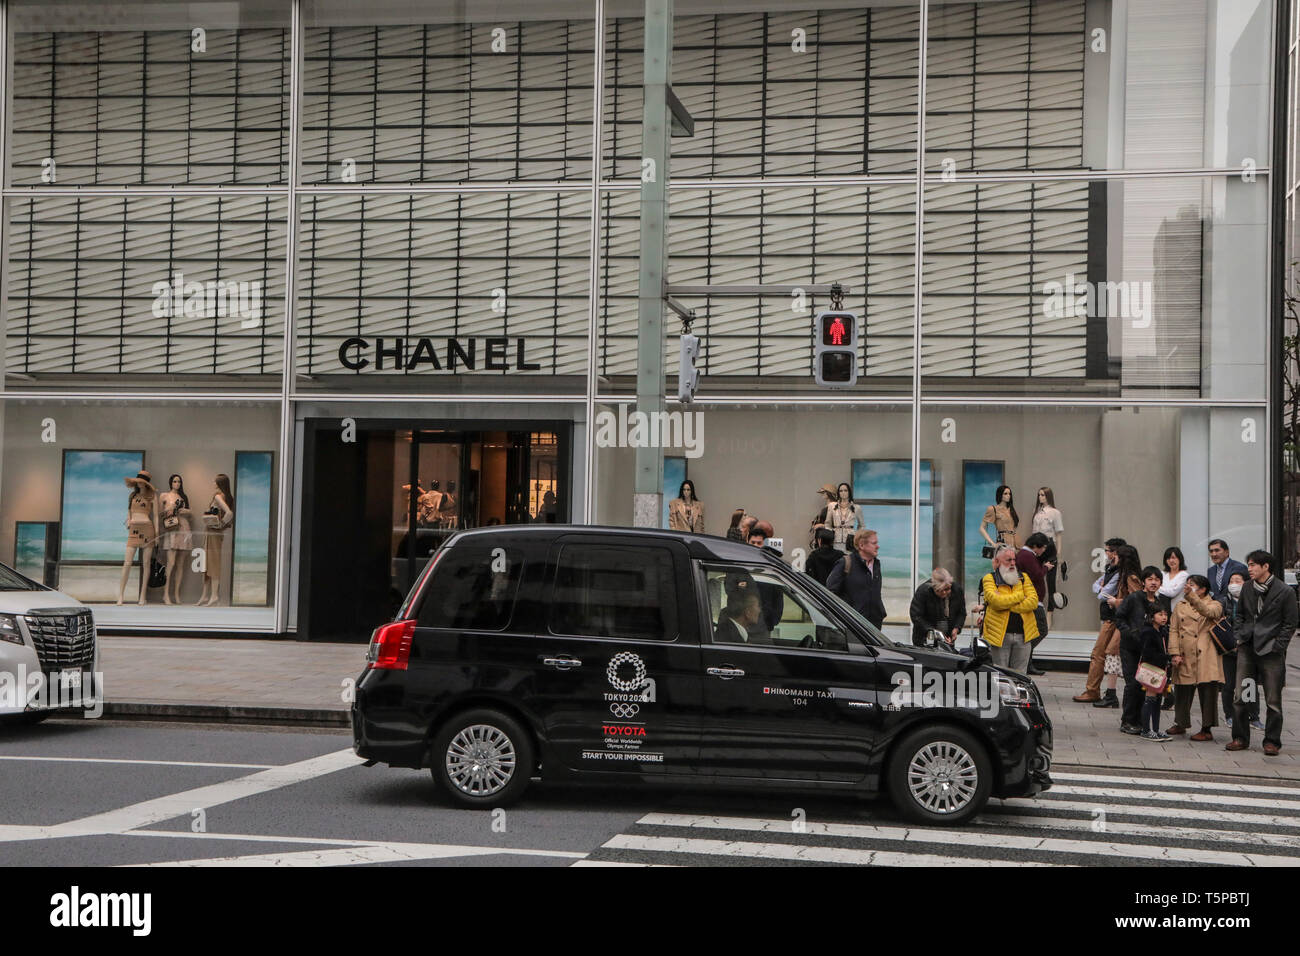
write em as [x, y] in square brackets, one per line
[1086, 697]
[1236, 744]
[1203, 735]
[1175, 730]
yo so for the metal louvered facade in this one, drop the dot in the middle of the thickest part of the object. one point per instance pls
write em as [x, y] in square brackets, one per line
[406, 104]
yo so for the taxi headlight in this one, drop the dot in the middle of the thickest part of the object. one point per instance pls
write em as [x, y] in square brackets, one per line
[1015, 694]
[9, 629]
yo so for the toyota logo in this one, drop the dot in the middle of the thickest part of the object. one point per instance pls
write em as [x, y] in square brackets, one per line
[624, 710]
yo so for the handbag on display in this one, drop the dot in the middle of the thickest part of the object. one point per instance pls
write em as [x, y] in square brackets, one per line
[1152, 677]
[157, 573]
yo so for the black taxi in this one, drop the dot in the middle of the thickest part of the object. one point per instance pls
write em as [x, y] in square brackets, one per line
[579, 653]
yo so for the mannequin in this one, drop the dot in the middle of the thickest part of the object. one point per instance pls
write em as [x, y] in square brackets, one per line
[416, 494]
[141, 531]
[686, 512]
[177, 538]
[219, 516]
[1047, 520]
[447, 507]
[844, 517]
[1002, 515]
[428, 505]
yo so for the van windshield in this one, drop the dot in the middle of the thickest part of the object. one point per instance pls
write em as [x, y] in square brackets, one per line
[11, 580]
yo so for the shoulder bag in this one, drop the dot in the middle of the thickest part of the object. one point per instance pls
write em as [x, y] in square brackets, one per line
[1152, 677]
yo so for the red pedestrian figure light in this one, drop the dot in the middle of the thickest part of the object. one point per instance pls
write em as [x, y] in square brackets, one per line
[837, 331]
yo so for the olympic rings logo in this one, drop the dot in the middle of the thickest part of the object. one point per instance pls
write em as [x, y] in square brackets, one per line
[624, 711]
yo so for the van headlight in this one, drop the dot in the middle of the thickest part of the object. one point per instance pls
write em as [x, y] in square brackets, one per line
[1014, 694]
[9, 629]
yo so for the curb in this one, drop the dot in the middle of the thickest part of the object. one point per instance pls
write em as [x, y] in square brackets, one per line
[227, 714]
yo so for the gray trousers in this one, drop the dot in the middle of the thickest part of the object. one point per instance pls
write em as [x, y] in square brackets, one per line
[1013, 654]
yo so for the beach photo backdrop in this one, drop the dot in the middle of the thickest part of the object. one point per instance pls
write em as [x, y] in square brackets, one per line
[883, 489]
[93, 515]
[979, 482]
[252, 564]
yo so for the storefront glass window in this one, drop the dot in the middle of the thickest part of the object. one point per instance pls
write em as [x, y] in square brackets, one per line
[95, 492]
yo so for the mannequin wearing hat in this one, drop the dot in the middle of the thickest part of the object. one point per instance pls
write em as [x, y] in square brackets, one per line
[841, 514]
[686, 512]
[141, 531]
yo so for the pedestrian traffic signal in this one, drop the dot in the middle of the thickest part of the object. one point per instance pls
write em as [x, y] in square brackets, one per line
[688, 376]
[835, 360]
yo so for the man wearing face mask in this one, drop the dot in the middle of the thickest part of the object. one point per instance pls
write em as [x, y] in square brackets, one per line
[1232, 612]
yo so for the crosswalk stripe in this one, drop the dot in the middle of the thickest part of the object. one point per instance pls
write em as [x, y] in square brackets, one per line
[1208, 816]
[1170, 797]
[786, 851]
[1220, 786]
[973, 839]
[1152, 830]
[354, 855]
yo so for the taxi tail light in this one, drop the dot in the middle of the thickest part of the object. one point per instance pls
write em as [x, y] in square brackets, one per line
[391, 646]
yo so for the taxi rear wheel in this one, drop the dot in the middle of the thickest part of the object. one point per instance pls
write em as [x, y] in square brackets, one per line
[940, 775]
[482, 759]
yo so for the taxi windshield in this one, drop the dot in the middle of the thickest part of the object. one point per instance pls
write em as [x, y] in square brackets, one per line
[866, 630]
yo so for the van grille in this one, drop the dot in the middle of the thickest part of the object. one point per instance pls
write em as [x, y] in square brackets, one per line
[64, 638]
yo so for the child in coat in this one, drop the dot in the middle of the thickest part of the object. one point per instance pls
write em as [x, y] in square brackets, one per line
[1155, 650]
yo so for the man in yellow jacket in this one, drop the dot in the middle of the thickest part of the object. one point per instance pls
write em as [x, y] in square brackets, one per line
[1009, 603]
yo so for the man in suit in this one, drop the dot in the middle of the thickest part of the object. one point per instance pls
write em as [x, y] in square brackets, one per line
[1268, 619]
[1222, 567]
[741, 621]
[860, 586]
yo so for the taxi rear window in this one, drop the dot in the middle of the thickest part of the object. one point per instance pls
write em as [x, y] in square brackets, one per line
[611, 591]
[473, 588]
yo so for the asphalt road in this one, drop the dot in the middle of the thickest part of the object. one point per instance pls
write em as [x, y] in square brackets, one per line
[101, 793]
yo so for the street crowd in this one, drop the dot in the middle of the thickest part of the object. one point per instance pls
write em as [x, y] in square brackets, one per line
[1175, 638]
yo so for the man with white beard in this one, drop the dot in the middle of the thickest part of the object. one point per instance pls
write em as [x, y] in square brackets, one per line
[1010, 600]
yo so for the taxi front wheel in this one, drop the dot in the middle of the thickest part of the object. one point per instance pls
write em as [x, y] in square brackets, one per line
[482, 759]
[940, 775]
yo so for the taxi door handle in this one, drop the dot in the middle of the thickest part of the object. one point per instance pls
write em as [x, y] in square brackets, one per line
[561, 663]
[726, 673]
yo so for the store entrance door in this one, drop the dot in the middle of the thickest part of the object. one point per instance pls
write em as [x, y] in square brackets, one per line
[378, 508]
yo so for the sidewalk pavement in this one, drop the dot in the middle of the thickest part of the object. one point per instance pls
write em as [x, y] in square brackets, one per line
[255, 680]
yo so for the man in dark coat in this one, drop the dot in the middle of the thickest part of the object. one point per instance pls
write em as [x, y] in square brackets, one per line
[824, 557]
[937, 605]
[1268, 620]
[860, 587]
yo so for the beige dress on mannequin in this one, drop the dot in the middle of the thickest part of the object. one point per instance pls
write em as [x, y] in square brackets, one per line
[686, 517]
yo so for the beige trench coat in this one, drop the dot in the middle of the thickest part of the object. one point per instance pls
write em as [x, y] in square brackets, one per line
[1189, 635]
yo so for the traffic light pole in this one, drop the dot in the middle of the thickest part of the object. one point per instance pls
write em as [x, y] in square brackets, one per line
[647, 499]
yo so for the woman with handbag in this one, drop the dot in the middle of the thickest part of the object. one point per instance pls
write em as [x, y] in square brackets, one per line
[177, 539]
[1152, 671]
[1198, 667]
